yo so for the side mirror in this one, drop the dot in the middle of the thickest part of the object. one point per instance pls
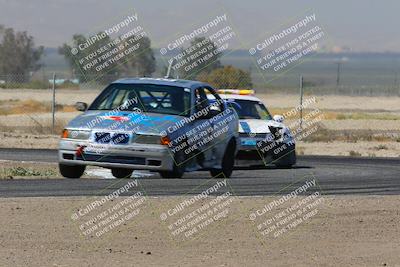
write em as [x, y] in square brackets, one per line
[211, 113]
[81, 106]
[279, 118]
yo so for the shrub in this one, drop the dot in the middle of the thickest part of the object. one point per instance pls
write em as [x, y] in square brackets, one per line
[353, 153]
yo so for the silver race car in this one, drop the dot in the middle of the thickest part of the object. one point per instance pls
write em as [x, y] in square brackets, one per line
[163, 125]
[263, 139]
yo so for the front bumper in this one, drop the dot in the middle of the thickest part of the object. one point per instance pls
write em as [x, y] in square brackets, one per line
[131, 156]
[264, 153]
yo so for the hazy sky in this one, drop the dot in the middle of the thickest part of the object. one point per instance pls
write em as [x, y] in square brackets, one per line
[362, 25]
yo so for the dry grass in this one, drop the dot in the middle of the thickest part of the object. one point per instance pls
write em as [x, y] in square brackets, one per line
[300, 150]
[353, 153]
[22, 170]
[381, 147]
[339, 115]
[30, 106]
[353, 136]
[36, 127]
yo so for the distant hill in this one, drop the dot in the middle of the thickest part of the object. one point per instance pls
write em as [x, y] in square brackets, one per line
[359, 69]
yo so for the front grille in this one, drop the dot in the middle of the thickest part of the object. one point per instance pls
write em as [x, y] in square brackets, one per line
[102, 138]
[112, 159]
[248, 155]
[120, 139]
[258, 135]
[68, 156]
[152, 162]
[267, 137]
[147, 139]
[114, 138]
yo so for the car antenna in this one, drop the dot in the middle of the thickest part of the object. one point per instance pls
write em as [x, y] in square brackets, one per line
[167, 76]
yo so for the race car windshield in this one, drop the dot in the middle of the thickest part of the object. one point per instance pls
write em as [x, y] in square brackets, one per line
[146, 97]
[251, 110]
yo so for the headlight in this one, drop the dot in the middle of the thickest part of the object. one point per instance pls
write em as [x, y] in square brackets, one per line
[75, 134]
[287, 136]
[276, 132]
[147, 139]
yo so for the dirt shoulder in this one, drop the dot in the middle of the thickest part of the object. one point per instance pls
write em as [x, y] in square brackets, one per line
[351, 230]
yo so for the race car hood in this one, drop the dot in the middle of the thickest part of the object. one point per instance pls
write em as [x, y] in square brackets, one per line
[257, 126]
[143, 123]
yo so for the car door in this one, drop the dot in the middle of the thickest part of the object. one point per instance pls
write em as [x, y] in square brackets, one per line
[201, 130]
[224, 123]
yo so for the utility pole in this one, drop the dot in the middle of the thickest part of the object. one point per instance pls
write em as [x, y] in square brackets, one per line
[53, 104]
[339, 63]
[301, 102]
[338, 74]
[168, 75]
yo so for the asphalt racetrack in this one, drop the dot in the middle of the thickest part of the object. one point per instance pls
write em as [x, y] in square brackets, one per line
[334, 175]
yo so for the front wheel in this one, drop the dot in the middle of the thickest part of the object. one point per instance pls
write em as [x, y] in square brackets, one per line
[178, 169]
[177, 172]
[121, 173]
[228, 162]
[71, 171]
[287, 161]
[171, 174]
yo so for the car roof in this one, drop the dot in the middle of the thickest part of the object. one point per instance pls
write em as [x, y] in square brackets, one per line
[238, 97]
[161, 81]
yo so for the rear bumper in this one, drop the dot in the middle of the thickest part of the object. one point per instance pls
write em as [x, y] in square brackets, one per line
[132, 156]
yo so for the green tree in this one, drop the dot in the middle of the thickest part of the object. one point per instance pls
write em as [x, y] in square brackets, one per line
[18, 54]
[227, 77]
[78, 61]
[141, 62]
[202, 56]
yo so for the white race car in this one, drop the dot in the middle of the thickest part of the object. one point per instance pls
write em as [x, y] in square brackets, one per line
[263, 139]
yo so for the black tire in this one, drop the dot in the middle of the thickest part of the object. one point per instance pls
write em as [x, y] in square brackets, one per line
[171, 174]
[287, 161]
[228, 162]
[178, 170]
[71, 171]
[121, 173]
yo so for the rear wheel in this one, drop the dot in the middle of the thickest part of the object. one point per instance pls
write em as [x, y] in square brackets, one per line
[121, 173]
[71, 171]
[227, 164]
